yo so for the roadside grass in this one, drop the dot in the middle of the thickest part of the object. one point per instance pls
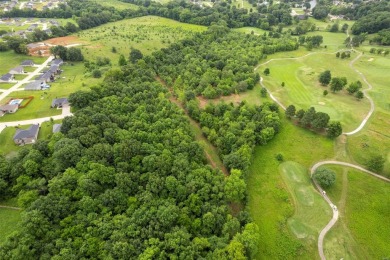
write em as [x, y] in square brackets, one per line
[303, 90]
[119, 5]
[9, 60]
[364, 227]
[20, 76]
[375, 137]
[269, 201]
[148, 34]
[6, 85]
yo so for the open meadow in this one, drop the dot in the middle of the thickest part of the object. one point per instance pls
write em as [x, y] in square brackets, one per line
[148, 34]
[9, 219]
[116, 4]
[364, 227]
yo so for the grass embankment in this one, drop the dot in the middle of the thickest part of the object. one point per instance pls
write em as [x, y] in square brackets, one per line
[285, 206]
[375, 137]
[148, 34]
[364, 227]
[303, 89]
[9, 219]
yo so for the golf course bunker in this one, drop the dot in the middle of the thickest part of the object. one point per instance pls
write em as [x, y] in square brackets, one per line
[321, 103]
[305, 196]
[371, 59]
[297, 227]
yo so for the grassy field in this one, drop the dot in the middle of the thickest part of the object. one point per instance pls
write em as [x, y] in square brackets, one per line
[9, 60]
[9, 219]
[272, 205]
[303, 89]
[117, 4]
[7, 145]
[364, 227]
[248, 30]
[148, 34]
[375, 138]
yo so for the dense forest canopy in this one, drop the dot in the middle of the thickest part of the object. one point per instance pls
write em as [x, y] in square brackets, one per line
[125, 179]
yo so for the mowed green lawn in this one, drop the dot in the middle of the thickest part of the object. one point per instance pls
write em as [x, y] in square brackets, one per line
[148, 34]
[303, 90]
[9, 60]
[375, 137]
[363, 229]
[279, 213]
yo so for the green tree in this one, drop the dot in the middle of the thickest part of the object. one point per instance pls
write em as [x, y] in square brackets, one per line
[337, 84]
[325, 177]
[359, 95]
[263, 92]
[74, 54]
[354, 87]
[321, 120]
[266, 71]
[334, 129]
[122, 60]
[59, 51]
[235, 186]
[325, 93]
[290, 111]
[135, 55]
[309, 117]
[325, 77]
[300, 114]
[376, 163]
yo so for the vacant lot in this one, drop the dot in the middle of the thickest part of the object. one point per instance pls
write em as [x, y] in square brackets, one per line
[147, 34]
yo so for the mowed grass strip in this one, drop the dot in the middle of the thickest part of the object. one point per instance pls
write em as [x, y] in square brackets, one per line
[364, 227]
[269, 201]
[303, 90]
[148, 34]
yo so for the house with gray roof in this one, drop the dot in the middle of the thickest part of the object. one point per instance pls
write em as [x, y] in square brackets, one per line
[8, 109]
[28, 136]
[27, 63]
[36, 85]
[7, 78]
[56, 128]
[59, 102]
[57, 62]
[48, 76]
[17, 70]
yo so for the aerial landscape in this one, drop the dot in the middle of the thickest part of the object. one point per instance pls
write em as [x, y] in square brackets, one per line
[191, 129]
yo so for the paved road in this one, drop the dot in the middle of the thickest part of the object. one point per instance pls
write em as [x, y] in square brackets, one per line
[26, 79]
[65, 112]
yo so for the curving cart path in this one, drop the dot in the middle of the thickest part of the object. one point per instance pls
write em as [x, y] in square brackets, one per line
[335, 216]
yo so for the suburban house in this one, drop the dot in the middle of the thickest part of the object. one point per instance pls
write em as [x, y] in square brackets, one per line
[36, 85]
[28, 136]
[59, 102]
[8, 109]
[27, 63]
[48, 76]
[7, 78]
[57, 62]
[56, 128]
[17, 70]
